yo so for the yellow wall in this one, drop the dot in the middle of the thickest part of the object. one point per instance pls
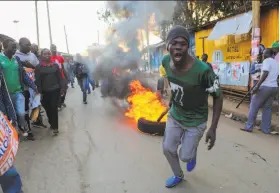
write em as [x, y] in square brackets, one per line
[237, 48]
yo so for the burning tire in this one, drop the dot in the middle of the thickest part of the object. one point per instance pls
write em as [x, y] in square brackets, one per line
[151, 127]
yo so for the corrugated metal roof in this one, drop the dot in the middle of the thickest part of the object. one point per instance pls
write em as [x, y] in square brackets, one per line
[240, 24]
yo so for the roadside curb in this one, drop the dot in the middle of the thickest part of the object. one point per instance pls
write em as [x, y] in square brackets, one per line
[243, 119]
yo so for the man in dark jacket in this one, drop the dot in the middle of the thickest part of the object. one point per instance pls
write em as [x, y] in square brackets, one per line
[81, 73]
[15, 78]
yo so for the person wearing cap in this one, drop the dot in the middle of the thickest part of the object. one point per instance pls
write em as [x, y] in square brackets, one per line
[275, 49]
[191, 81]
[263, 93]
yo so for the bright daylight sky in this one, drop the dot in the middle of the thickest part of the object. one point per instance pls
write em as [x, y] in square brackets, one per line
[80, 19]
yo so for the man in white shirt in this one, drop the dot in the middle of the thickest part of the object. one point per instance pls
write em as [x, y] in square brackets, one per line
[264, 92]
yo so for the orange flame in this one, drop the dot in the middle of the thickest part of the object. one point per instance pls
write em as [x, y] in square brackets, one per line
[144, 103]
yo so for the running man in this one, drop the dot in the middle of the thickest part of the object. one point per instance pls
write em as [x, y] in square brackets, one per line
[191, 81]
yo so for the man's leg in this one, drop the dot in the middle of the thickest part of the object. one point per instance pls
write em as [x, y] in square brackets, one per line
[11, 181]
[46, 104]
[53, 110]
[62, 99]
[72, 81]
[84, 89]
[190, 141]
[171, 141]
[20, 110]
[267, 110]
[87, 86]
[91, 81]
[27, 117]
[257, 102]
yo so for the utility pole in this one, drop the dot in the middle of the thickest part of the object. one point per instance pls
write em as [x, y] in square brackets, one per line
[37, 23]
[66, 39]
[203, 38]
[256, 32]
[16, 25]
[49, 21]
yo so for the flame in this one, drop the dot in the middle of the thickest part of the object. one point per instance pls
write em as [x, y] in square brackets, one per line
[123, 46]
[144, 103]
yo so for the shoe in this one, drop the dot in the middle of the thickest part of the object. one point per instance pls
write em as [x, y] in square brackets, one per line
[55, 131]
[173, 181]
[89, 93]
[265, 132]
[63, 105]
[30, 137]
[191, 164]
[246, 130]
[38, 124]
[85, 102]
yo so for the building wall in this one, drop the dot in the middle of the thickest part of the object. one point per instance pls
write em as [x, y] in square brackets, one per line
[230, 55]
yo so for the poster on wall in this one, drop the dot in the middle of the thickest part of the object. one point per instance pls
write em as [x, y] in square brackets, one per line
[233, 73]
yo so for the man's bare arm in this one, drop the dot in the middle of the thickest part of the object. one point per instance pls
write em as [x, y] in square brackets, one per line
[217, 109]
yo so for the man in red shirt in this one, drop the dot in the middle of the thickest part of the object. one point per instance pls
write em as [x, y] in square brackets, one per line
[59, 60]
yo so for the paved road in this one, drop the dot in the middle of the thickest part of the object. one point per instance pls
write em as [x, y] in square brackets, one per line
[98, 151]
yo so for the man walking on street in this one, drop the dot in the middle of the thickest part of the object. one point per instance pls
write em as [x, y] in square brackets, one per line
[16, 78]
[60, 61]
[263, 93]
[191, 81]
[81, 73]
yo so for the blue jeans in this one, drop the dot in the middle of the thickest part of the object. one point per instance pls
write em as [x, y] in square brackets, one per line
[91, 82]
[71, 79]
[11, 181]
[262, 99]
[83, 85]
[19, 105]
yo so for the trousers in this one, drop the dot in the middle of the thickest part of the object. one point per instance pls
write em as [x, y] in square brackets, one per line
[262, 99]
[11, 182]
[83, 85]
[18, 100]
[49, 102]
[177, 134]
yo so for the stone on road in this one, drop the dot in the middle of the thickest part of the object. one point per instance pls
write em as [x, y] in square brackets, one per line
[97, 150]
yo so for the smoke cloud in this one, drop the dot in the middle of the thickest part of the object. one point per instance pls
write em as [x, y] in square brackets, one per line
[126, 30]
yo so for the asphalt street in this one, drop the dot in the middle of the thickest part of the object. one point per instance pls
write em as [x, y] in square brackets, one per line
[99, 151]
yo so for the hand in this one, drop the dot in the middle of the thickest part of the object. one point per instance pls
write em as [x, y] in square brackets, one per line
[36, 92]
[255, 89]
[211, 138]
[27, 64]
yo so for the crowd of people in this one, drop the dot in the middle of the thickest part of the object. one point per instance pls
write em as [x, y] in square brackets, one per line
[29, 80]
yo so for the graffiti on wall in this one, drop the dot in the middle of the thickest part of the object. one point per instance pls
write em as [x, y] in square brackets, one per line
[233, 73]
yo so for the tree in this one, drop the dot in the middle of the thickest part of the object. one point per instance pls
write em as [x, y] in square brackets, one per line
[193, 14]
